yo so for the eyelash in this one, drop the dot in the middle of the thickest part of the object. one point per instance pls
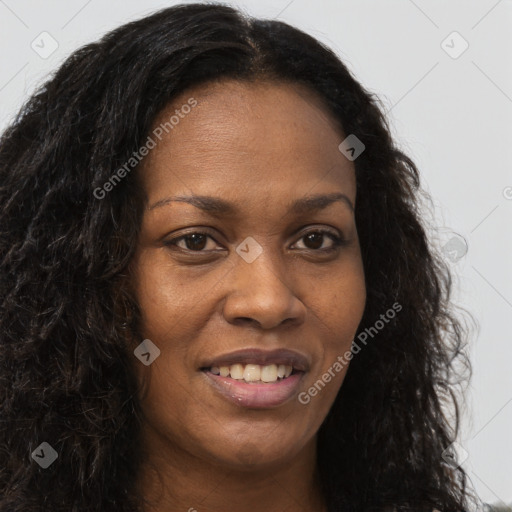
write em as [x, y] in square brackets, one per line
[337, 241]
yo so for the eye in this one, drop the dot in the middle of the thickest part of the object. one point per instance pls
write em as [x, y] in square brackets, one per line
[314, 240]
[194, 242]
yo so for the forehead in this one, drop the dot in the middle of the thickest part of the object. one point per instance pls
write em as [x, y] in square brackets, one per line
[243, 138]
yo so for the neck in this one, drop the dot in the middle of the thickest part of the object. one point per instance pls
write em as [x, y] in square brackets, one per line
[172, 480]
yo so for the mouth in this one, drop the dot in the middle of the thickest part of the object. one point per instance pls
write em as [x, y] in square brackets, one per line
[257, 379]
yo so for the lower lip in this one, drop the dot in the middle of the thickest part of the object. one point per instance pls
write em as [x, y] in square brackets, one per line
[256, 395]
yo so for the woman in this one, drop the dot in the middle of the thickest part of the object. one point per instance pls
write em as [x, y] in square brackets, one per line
[217, 292]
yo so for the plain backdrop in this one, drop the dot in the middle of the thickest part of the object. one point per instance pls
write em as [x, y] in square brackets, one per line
[448, 98]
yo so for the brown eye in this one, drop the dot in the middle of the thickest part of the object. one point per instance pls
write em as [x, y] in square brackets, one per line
[194, 242]
[315, 239]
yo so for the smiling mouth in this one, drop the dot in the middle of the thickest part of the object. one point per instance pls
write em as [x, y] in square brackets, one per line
[254, 373]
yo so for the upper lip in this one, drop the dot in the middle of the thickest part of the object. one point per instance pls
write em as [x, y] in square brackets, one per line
[262, 357]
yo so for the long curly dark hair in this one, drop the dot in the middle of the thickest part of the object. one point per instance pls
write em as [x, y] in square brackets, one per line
[68, 318]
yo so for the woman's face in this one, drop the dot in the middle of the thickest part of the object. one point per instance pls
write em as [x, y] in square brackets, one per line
[243, 281]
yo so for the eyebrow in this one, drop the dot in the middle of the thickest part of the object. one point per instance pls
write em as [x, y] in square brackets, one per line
[219, 207]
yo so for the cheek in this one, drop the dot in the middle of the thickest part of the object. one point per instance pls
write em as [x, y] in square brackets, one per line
[170, 315]
[171, 298]
[338, 301]
[338, 307]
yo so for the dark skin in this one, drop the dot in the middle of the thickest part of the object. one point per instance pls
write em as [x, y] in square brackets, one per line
[259, 146]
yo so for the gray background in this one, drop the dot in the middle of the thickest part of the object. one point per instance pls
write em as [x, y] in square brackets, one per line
[451, 115]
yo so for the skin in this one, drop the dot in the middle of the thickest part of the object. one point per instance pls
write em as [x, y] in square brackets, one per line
[260, 146]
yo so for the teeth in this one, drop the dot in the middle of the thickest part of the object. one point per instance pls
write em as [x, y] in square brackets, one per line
[269, 373]
[253, 372]
[236, 371]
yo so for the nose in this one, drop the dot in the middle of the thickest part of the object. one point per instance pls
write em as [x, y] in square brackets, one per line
[262, 293]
